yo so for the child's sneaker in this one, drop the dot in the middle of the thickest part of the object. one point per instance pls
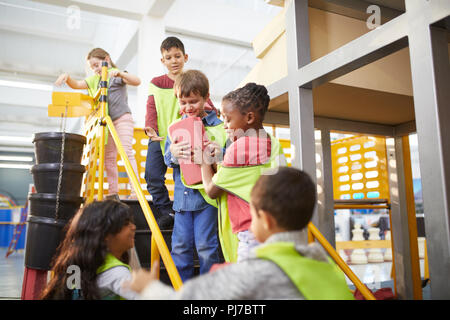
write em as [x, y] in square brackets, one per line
[165, 222]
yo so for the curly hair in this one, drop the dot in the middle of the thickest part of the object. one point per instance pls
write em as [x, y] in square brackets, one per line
[251, 97]
[85, 247]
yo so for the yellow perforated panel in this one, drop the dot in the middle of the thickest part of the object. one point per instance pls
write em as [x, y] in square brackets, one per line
[90, 188]
[359, 168]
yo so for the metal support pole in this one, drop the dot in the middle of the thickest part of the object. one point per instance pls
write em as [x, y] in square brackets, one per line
[405, 250]
[412, 222]
[325, 201]
[301, 113]
[431, 86]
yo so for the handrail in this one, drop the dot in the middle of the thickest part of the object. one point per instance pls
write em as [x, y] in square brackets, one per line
[156, 232]
[360, 206]
[312, 230]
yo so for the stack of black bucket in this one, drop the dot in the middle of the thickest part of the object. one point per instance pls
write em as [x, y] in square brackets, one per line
[45, 223]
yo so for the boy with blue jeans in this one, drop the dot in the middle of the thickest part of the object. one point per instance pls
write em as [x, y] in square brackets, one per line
[195, 219]
[162, 110]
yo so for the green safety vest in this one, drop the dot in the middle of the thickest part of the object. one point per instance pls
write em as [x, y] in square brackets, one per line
[94, 81]
[316, 280]
[167, 109]
[93, 88]
[239, 181]
[111, 262]
[217, 134]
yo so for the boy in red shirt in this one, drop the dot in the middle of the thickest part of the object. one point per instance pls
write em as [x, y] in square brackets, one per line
[162, 110]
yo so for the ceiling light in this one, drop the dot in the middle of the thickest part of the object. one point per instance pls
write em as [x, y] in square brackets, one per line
[16, 138]
[26, 85]
[16, 158]
[15, 166]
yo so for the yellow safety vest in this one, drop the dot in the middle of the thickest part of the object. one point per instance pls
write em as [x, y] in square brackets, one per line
[316, 280]
[240, 181]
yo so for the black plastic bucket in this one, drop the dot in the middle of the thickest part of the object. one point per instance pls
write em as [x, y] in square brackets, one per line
[143, 235]
[47, 147]
[43, 238]
[45, 177]
[44, 205]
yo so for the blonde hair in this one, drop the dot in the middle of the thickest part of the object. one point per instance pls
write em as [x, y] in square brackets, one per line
[101, 54]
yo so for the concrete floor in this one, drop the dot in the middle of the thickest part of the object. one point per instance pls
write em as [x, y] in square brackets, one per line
[374, 275]
[11, 274]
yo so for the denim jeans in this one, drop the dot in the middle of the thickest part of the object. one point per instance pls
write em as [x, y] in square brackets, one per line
[199, 229]
[155, 171]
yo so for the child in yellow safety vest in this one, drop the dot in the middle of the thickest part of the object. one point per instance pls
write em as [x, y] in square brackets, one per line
[281, 267]
[118, 110]
[92, 261]
[195, 225]
[251, 152]
[162, 110]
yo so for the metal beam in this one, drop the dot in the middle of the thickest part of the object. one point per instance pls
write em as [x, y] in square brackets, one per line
[159, 8]
[129, 51]
[405, 129]
[399, 220]
[325, 198]
[372, 46]
[301, 112]
[280, 118]
[278, 88]
[356, 9]
[431, 86]
[353, 126]
[206, 36]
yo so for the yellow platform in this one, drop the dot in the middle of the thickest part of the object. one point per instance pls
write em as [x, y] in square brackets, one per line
[78, 104]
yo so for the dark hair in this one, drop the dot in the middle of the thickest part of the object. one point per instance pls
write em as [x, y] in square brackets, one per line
[193, 81]
[85, 247]
[289, 195]
[251, 97]
[101, 54]
[172, 42]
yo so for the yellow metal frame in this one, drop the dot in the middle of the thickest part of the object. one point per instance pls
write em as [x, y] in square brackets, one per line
[412, 223]
[156, 232]
[314, 233]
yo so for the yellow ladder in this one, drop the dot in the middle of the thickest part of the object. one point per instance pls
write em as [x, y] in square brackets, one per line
[97, 126]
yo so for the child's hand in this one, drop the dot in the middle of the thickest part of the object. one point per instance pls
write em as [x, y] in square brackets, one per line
[115, 73]
[180, 150]
[151, 133]
[61, 79]
[197, 155]
[142, 278]
[213, 151]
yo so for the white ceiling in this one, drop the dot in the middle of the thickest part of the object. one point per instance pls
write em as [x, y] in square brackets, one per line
[42, 38]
